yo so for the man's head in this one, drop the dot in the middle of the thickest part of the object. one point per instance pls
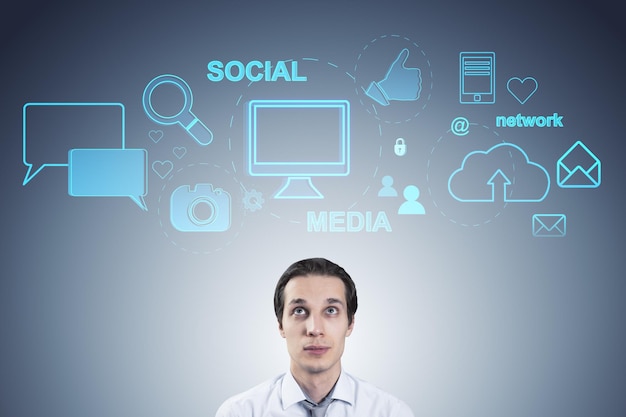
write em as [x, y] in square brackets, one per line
[315, 266]
[315, 302]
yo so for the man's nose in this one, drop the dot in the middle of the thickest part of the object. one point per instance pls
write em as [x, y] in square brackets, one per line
[314, 326]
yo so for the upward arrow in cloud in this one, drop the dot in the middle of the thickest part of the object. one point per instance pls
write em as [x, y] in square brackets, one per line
[498, 177]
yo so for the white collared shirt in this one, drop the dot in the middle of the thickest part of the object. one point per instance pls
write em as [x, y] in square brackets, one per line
[282, 395]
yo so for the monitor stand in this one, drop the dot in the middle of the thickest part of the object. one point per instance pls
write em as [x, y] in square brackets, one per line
[298, 188]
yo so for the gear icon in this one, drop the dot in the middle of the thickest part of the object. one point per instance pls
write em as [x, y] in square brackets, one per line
[253, 200]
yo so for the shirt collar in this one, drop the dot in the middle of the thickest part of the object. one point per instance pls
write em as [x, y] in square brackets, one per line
[345, 389]
[291, 393]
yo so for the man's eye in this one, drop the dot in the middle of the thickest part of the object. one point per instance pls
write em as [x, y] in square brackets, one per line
[299, 311]
[331, 310]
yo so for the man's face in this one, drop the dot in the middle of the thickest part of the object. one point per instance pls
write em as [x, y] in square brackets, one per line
[315, 323]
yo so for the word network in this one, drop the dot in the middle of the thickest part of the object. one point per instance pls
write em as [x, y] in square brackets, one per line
[530, 121]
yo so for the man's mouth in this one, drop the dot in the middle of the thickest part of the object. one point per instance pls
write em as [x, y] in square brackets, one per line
[316, 349]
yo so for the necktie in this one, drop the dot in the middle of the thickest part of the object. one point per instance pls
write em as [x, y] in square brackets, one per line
[317, 410]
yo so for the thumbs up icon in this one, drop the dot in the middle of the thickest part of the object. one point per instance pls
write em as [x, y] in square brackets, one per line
[400, 83]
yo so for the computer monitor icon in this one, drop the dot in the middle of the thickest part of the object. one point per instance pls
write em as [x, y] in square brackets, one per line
[298, 140]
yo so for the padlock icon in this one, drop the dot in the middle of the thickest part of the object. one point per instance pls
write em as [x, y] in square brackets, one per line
[400, 147]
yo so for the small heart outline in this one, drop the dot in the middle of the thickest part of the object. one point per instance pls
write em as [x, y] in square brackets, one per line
[156, 135]
[162, 168]
[521, 83]
[179, 151]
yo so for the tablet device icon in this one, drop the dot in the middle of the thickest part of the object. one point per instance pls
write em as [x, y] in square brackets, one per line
[477, 77]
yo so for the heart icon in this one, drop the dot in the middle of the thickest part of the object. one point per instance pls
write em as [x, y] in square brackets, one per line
[179, 151]
[155, 135]
[162, 168]
[522, 90]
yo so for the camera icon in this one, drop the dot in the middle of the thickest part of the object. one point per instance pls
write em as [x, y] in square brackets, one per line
[200, 209]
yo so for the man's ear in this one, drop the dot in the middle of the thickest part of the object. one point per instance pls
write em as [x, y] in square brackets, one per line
[350, 327]
[281, 330]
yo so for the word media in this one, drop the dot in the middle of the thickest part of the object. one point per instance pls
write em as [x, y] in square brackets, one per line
[347, 221]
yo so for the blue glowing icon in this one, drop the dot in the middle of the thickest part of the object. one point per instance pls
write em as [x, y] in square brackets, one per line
[387, 189]
[502, 173]
[88, 139]
[411, 206]
[477, 77]
[155, 135]
[108, 173]
[400, 147]
[162, 168]
[184, 117]
[50, 130]
[298, 140]
[578, 168]
[460, 126]
[549, 225]
[179, 151]
[400, 83]
[253, 200]
[522, 89]
[200, 209]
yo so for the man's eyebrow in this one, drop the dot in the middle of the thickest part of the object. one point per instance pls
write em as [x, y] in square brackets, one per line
[334, 301]
[302, 301]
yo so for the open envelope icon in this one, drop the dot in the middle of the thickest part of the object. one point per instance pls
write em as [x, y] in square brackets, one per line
[549, 225]
[578, 168]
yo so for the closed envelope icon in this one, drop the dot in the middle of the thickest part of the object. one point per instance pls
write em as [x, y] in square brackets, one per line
[549, 225]
[578, 168]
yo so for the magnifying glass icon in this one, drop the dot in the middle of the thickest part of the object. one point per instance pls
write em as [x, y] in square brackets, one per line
[184, 117]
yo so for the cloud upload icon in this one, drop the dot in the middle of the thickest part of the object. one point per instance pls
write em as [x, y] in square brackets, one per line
[502, 173]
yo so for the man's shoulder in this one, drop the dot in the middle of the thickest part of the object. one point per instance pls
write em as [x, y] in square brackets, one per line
[259, 395]
[366, 387]
[377, 400]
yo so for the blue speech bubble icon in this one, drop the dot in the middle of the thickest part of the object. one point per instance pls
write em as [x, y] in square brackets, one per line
[108, 173]
[50, 130]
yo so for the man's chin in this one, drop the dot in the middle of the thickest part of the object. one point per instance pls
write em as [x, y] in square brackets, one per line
[317, 367]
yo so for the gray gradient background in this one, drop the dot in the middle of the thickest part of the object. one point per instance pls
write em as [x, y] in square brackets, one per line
[102, 314]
